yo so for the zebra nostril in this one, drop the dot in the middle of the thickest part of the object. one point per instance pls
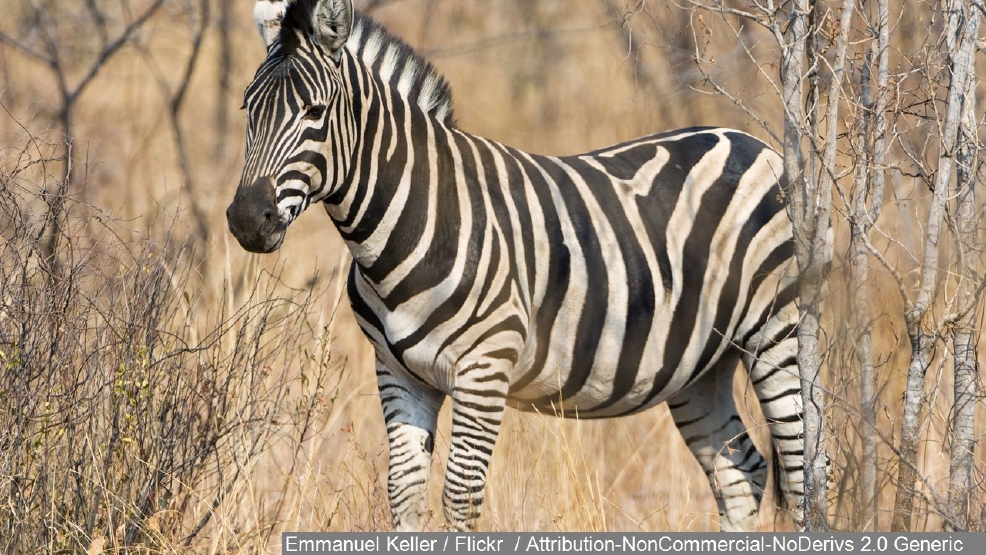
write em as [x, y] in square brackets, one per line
[270, 221]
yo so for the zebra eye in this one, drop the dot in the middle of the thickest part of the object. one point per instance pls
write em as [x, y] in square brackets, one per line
[315, 112]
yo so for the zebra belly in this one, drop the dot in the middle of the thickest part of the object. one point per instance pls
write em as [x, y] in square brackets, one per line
[566, 386]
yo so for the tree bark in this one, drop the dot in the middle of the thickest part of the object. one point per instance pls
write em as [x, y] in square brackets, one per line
[859, 227]
[964, 338]
[867, 204]
[803, 208]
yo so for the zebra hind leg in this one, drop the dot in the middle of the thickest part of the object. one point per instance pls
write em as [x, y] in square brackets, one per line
[705, 414]
[771, 360]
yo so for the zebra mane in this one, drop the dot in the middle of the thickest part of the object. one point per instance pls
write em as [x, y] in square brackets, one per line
[384, 54]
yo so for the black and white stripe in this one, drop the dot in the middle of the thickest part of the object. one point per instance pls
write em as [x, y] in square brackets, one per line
[595, 285]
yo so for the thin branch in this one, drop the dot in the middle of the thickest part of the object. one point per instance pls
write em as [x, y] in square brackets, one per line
[950, 319]
[721, 90]
[112, 49]
[24, 49]
[98, 19]
[186, 78]
[722, 9]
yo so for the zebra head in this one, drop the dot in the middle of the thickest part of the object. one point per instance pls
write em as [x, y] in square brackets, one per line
[299, 119]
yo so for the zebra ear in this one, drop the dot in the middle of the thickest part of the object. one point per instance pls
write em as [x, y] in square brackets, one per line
[267, 16]
[332, 21]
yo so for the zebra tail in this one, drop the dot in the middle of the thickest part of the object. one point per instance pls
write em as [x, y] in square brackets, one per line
[780, 498]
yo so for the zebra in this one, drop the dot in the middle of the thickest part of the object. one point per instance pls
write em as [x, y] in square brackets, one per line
[589, 286]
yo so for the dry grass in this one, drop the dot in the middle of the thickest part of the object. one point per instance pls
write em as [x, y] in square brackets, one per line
[552, 76]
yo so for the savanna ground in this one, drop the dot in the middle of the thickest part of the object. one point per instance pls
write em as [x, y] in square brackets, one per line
[160, 387]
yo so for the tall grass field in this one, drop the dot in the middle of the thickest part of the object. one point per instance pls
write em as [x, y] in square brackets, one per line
[164, 391]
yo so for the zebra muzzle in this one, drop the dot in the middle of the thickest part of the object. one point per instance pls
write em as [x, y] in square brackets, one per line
[253, 217]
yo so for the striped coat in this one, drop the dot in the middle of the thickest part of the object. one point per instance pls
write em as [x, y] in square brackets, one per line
[594, 285]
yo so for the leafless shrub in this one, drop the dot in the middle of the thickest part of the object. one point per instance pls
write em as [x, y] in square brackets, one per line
[131, 405]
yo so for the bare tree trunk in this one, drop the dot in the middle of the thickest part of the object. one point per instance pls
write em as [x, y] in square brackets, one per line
[859, 226]
[923, 338]
[964, 338]
[867, 204]
[199, 14]
[225, 67]
[803, 208]
[176, 103]
[816, 260]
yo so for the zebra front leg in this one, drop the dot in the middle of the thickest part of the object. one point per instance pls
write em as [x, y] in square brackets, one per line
[410, 411]
[478, 402]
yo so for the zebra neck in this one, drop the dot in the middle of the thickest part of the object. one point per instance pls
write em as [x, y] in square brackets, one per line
[401, 164]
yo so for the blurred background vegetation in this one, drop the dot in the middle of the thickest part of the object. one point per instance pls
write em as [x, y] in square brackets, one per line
[160, 387]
